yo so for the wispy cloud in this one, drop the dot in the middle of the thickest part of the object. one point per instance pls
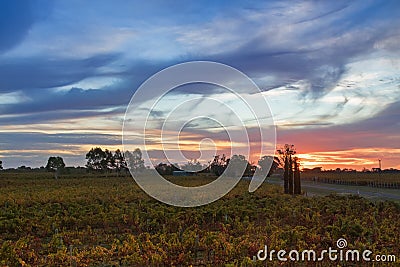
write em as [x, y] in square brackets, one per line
[329, 69]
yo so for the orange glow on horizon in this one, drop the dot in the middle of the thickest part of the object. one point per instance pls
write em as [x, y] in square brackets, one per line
[357, 158]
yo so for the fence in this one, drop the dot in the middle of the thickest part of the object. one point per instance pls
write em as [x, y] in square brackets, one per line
[376, 184]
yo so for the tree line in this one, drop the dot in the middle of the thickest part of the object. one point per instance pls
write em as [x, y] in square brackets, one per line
[106, 161]
[220, 164]
[103, 161]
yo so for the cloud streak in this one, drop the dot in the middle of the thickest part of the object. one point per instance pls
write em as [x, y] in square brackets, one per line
[329, 69]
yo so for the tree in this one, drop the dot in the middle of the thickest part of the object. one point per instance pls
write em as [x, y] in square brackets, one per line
[238, 165]
[109, 163]
[166, 169]
[97, 159]
[286, 156]
[55, 164]
[1, 165]
[268, 165]
[134, 160]
[24, 168]
[292, 172]
[192, 166]
[218, 165]
[296, 177]
[119, 161]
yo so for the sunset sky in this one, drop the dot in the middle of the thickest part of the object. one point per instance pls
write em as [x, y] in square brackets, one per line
[330, 71]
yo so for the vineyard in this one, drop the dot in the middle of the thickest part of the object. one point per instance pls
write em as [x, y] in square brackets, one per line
[354, 176]
[379, 180]
[87, 220]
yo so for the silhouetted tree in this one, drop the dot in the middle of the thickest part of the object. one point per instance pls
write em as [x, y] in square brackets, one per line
[119, 161]
[266, 161]
[55, 164]
[249, 169]
[192, 166]
[218, 165]
[166, 169]
[1, 165]
[97, 159]
[134, 160]
[290, 176]
[290, 169]
[238, 165]
[297, 182]
[109, 161]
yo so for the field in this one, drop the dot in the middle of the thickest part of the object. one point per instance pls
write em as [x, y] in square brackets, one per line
[92, 220]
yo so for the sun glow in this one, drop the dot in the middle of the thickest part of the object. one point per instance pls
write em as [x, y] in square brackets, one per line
[357, 158]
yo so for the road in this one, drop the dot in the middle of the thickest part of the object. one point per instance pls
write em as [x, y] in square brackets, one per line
[316, 188]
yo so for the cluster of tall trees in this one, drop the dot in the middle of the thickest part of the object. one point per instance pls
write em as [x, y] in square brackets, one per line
[220, 164]
[106, 161]
[291, 175]
[238, 163]
[99, 160]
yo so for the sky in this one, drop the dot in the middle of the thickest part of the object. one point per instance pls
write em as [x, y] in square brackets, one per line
[330, 71]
